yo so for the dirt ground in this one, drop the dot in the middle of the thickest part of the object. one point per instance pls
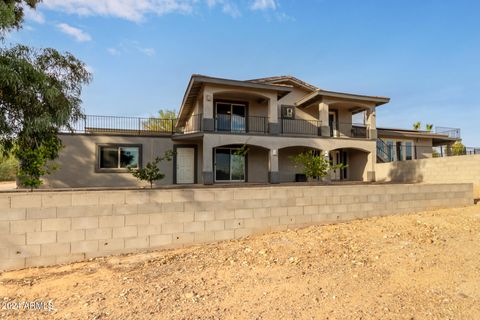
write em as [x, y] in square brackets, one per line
[417, 266]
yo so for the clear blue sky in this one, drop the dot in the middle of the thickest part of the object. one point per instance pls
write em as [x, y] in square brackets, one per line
[424, 55]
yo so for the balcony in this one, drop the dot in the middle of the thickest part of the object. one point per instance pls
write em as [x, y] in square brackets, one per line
[93, 124]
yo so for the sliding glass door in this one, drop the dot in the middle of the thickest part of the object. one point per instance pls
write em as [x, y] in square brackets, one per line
[230, 117]
[229, 166]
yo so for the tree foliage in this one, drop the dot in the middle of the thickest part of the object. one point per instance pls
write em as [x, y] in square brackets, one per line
[151, 172]
[315, 166]
[164, 123]
[429, 127]
[458, 148]
[417, 125]
[39, 95]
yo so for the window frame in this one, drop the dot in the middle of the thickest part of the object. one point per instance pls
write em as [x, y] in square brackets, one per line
[99, 146]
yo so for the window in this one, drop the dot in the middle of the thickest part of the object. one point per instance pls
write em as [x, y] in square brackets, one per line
[231, 117]
[118, 157]
[408, 151]
[229, 166]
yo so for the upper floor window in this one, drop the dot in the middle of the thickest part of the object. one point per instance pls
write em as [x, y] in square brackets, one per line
[118, 157]
[230, 116]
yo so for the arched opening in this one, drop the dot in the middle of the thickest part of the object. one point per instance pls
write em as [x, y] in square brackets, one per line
[356, 161]
[236, 163]
[288, 170]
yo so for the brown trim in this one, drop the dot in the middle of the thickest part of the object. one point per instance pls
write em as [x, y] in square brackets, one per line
[195, 162]
[116, 145]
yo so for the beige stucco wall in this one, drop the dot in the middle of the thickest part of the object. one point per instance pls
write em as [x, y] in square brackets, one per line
[449, 169]
[45, 228]
[78, 158]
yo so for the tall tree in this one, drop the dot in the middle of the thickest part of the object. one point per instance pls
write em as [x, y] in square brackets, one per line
[39, 95]
[164, 123]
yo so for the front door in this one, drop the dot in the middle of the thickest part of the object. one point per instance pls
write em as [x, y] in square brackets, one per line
[332, 122]
[185, 165]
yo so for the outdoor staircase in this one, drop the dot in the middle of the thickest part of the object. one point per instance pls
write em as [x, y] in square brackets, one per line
[382, 155]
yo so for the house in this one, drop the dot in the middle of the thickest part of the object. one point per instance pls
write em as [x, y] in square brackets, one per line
[274, 118]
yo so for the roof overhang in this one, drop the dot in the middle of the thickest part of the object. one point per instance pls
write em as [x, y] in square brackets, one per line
[319, 94]
[437, 139]
[198, 81]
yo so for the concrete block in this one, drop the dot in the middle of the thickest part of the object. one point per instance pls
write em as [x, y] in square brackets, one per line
[303, 201]
[69, 258]
[41, 213]
[117, 197]
[125, 232]
[204, 195]
[160, 196]
[55, 249]
[278, 211]
[41, 237]
[71, 212]
[70, 236]
[202, 237]
[170, 228]
[137, 243]
[4, 227]
[182, 217]
[54, 199]
[84, 223]
[173, 207]
[183, 238]
[204, 216]
[107, 245]
[147, 230]
[4, 202]
[61, 224]
[197, 226]
[84, 246]
[40, 261]
[98, 234]
[12, 214]
[243, 213]
[11, 264]
[234, 224]
[224, 214]
[224, 235]
[137, 197]
[24, 251]
[182, 195]
[294, 211]
[111, 221]
[26, 201]
[85, 198]
[214, 225]
[223, 195]
[308, 210]
[242, 233]
[160, 240]
[150, 208]
[261, 212]
[24, 226]
[288, 220]
[160, 218]
[137, 219]
[125, 209]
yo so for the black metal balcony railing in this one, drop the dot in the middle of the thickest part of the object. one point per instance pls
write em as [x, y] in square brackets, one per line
[194, 124]
[348, 129]
[123, 125]
[241, 124]
[300, 127]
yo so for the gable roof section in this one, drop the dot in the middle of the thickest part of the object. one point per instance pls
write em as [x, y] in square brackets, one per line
[291, 80]
[197, 81]
[319, 93]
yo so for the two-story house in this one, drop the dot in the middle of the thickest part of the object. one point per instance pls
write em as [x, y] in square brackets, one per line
[269, 120]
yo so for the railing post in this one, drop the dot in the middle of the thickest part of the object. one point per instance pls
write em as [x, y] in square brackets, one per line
[85, 124]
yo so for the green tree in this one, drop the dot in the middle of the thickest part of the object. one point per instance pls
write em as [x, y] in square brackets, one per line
[151, 172]
[164, 123]
[8, 166]
[458, 149]
[429, 127]
[39, 95]
[417, 125]
[315, 166]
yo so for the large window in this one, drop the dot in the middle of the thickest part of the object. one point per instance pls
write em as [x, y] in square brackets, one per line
[229, 166]
[408, 150]
[230, 117]
[118, 157]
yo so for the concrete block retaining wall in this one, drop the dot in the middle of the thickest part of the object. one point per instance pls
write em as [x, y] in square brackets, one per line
[45, 228]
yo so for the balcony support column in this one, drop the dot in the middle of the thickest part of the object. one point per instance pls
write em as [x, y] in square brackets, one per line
[323, 110]
[371, 122]
[207, 164]
[273, 174]
[273, 125]
[208, 123]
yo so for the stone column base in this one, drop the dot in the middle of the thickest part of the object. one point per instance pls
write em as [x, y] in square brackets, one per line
[273, 128]
[273, 177]
[207, 177]
[325, 131]
[208, 124]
